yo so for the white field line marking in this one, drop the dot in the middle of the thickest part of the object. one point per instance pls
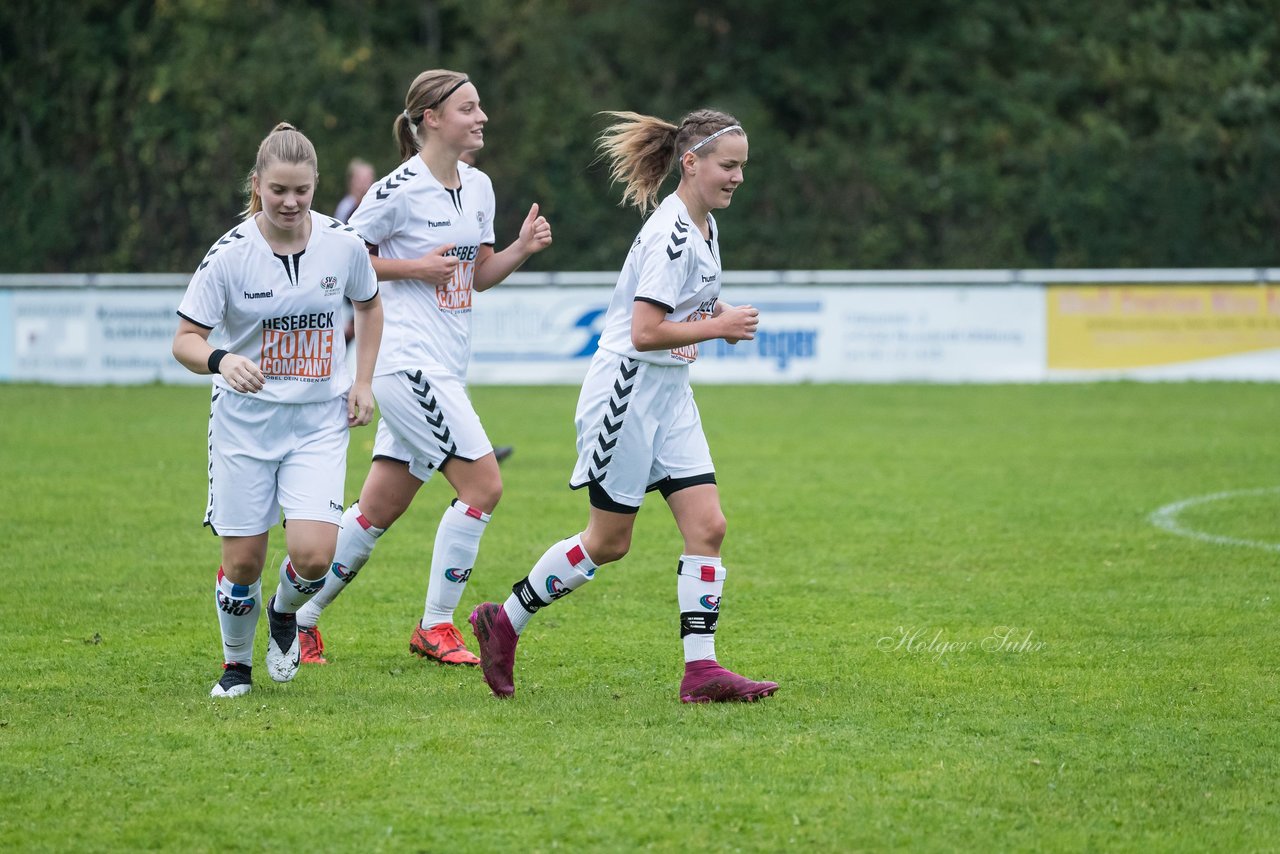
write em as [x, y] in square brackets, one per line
[1167, 518]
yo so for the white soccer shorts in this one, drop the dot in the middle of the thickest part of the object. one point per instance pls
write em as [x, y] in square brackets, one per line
[638, 430]
[267, 457]
[425, 420]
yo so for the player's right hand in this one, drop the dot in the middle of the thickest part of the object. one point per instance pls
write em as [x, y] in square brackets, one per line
[437, 268]
[739, 323]
[241, 374]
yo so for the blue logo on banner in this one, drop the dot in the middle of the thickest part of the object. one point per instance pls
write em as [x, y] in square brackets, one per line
[593, 323]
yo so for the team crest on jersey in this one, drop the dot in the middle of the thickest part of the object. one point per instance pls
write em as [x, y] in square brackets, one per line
[329, 284]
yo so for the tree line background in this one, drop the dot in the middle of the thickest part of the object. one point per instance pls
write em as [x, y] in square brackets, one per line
[953, 133]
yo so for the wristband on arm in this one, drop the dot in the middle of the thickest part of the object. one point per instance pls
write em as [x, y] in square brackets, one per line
[215, 360]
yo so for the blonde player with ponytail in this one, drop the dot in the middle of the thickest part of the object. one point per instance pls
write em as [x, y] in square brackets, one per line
[273, 288]
[430, 227]
[637, 424]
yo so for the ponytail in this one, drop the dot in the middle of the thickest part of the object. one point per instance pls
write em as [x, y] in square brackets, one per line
[285, 144]
[641, 149]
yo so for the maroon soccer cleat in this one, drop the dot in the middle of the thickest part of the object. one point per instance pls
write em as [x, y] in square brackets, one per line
[497, 647]
[708, 682]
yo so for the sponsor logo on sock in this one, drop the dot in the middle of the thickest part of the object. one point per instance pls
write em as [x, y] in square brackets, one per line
[711, 603]
[234, 607]
[556, 588]
[457, 575]
[344, 575]
[303, 585]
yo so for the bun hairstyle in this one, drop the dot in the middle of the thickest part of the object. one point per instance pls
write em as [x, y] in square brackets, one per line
[285, 144]
[429, 91]
[641, 149]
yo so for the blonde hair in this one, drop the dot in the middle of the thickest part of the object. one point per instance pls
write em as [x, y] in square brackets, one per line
[285, 144]
[427, 92]
[641, 149]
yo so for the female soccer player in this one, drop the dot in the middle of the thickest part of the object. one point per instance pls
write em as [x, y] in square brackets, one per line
[429, 225]
[282, 399]
[638, 427]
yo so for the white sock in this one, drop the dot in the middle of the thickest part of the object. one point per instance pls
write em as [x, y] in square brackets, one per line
[238, 607]
[356, 539]
[698, 591]
[564, 568]
[454, 556]
[294, 590]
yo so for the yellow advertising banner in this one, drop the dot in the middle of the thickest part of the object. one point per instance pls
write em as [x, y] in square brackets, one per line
[1102, 327]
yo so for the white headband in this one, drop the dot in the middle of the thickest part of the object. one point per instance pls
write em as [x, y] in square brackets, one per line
[713, 136]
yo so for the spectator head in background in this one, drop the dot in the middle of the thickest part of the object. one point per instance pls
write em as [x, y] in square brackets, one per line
[360, 177]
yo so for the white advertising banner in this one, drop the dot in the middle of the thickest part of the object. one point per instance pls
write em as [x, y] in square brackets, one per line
[92, 336]
[815, 326]
[814, 334]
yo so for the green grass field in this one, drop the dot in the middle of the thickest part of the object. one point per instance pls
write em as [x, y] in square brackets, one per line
[879, 538]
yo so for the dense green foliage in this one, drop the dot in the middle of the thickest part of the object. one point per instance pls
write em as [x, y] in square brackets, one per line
[1139, 716]
[983, 133]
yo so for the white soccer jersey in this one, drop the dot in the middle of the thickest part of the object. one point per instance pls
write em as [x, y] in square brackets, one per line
[670, 265]
[283, 313]
[406, 215]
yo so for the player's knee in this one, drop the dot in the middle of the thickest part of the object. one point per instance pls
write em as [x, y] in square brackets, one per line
[485, 494]
[609, 548]
[715, 530]
[312, 562]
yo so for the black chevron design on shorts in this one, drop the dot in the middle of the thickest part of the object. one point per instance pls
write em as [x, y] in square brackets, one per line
[435, 415]
[674, 255]
[618, 405]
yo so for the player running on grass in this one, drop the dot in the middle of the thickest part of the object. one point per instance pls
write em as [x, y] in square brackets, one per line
[430, 227]
[638, 426]
[273, 286]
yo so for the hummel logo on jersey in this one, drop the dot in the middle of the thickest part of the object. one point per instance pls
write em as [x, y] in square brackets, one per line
[258, 294]
[710, 278]
[444, 223]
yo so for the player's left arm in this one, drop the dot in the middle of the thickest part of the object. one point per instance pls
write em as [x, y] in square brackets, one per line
[368, 321]
[492, 267]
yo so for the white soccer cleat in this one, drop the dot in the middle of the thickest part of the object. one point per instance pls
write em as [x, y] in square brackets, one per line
[283, 652]
[236, 681]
